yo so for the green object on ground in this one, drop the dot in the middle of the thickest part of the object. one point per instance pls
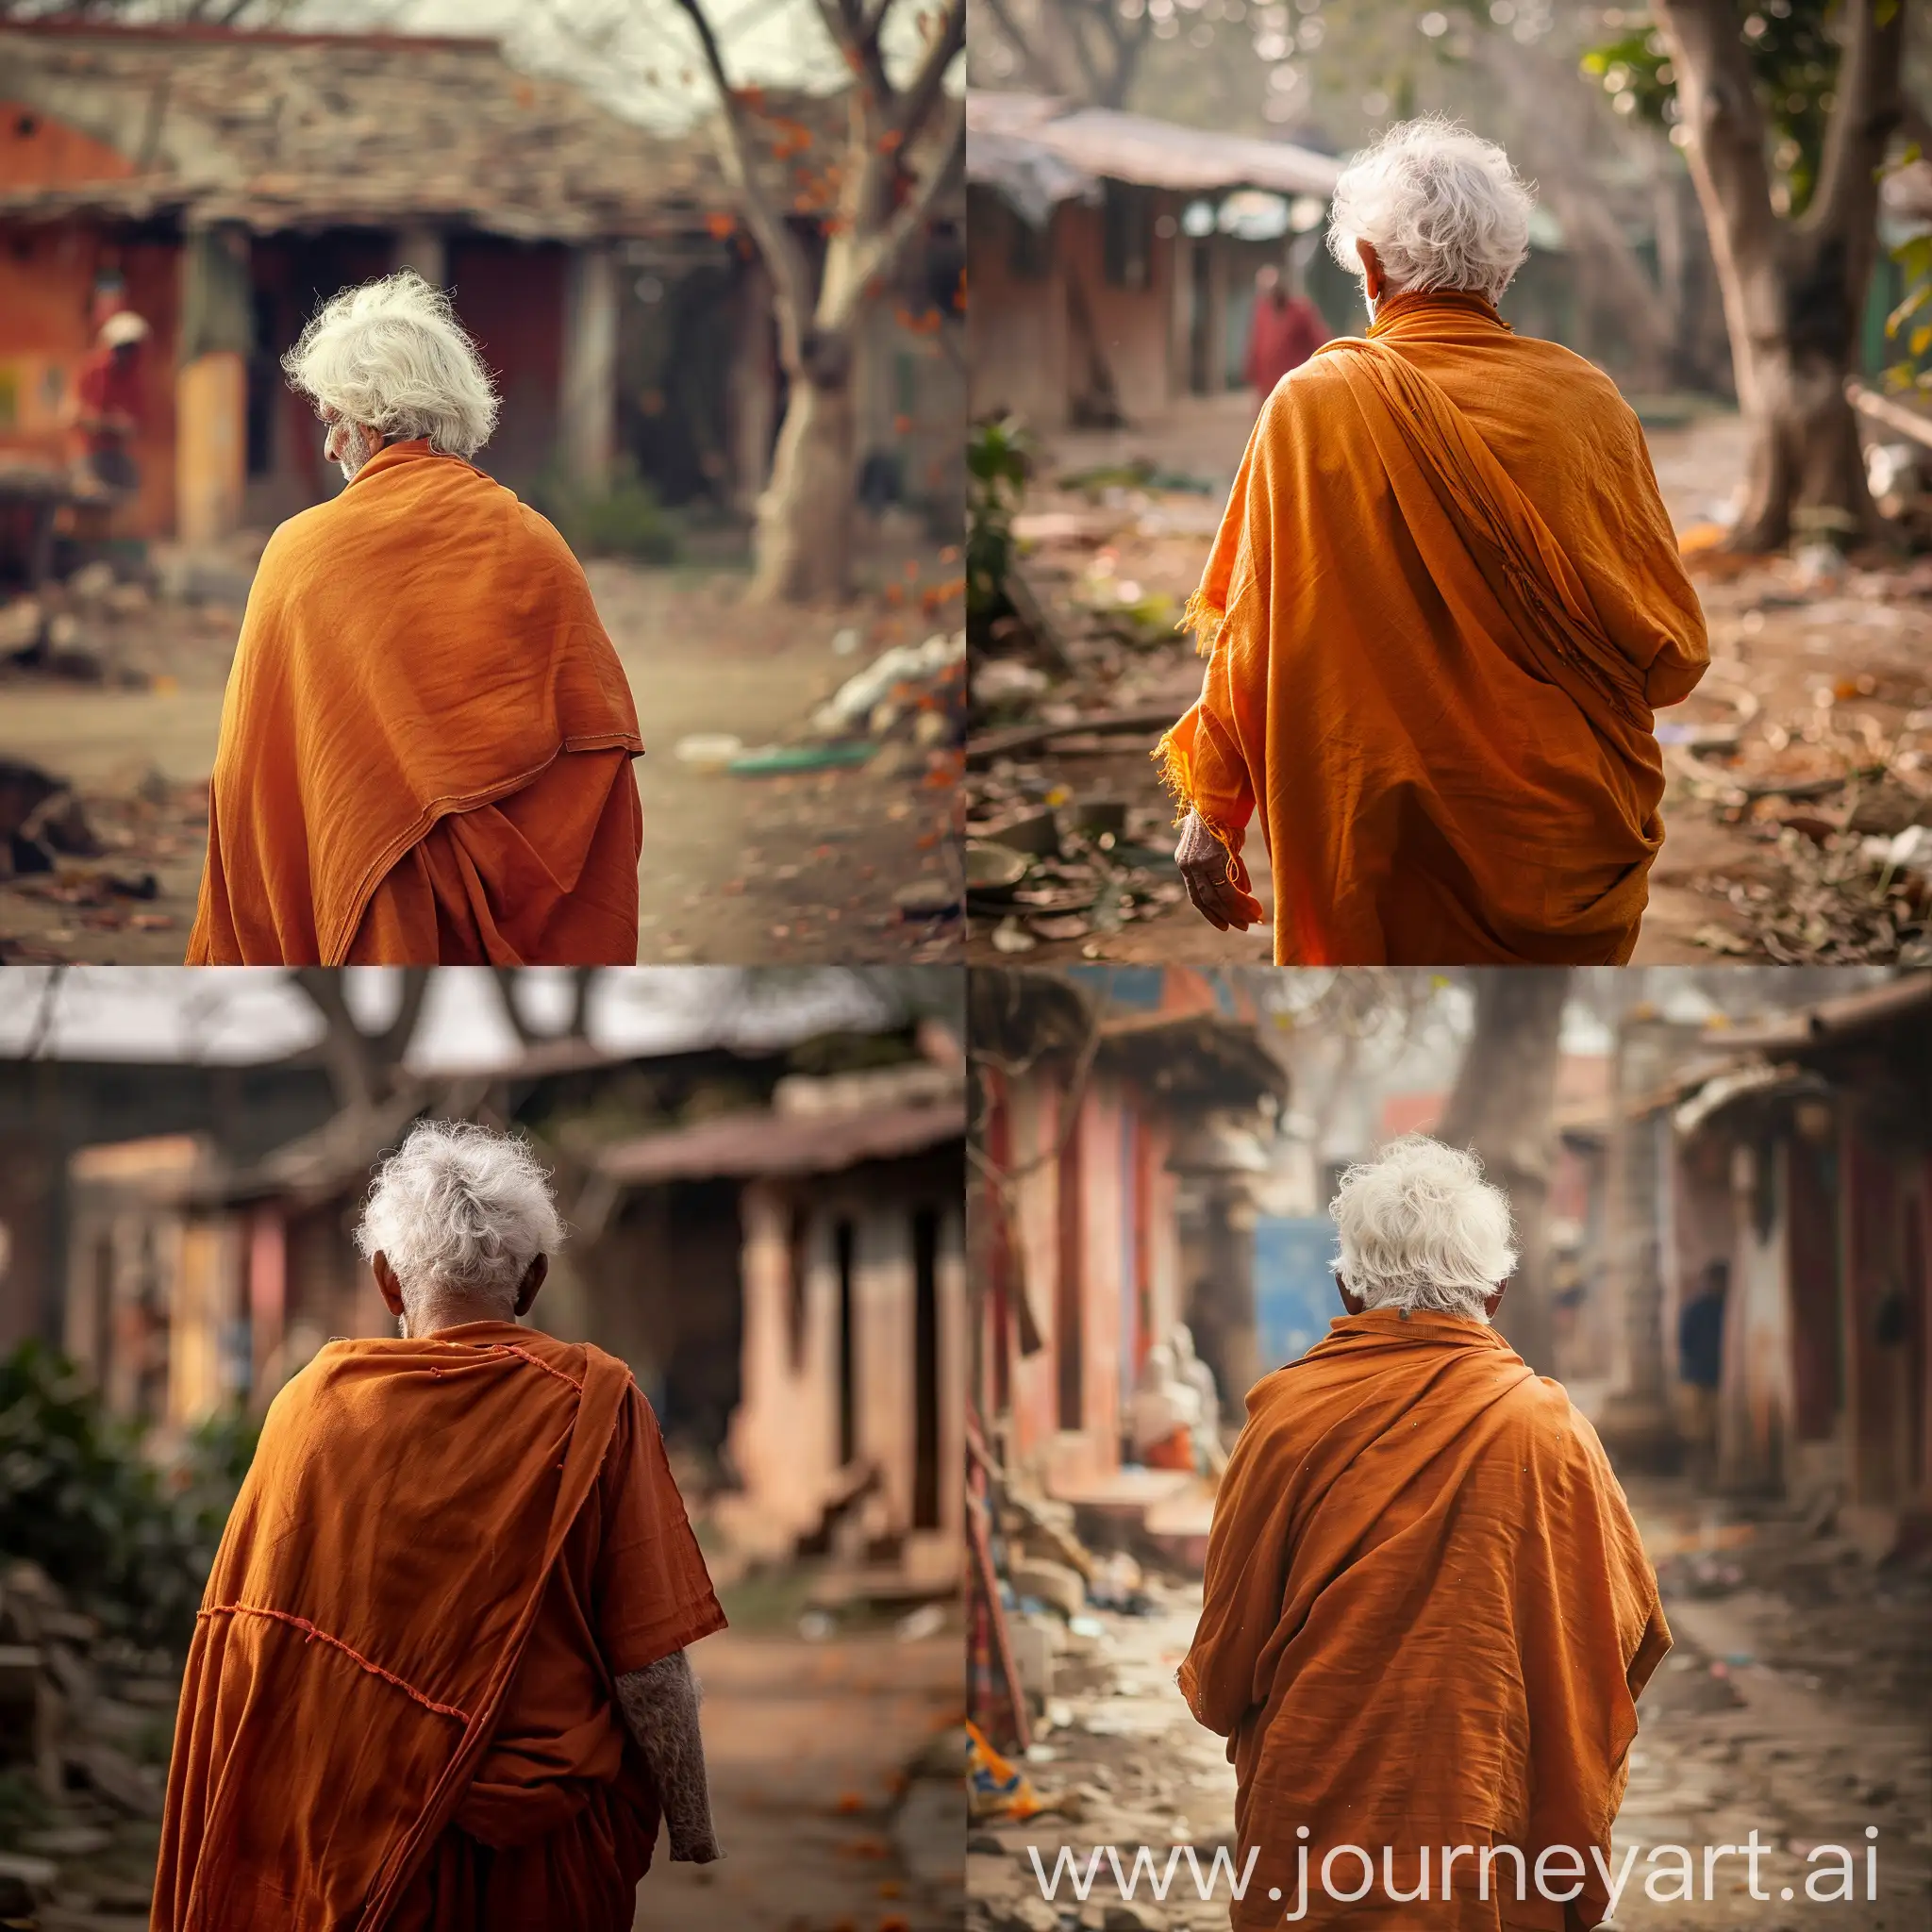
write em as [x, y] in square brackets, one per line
[777, 759]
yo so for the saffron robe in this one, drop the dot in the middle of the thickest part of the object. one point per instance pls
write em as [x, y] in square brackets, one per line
[399, 1709]
[1427, 1616]
[1443, 603]
[426, 742]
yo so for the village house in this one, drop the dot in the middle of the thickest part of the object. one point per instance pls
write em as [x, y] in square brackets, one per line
[1804, 1164]
[1119, 1115]
[219, 183]
[52, 1110]
[813, 1191]
[1113, 256]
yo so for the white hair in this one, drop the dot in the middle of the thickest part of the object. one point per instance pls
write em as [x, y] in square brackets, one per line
[1419, 1227]
[456, 1207]
[392, 356]
[1442, 208]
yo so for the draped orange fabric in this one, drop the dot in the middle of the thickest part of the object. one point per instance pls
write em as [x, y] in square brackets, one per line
[1442, 608]
[1427, 1616]
[398, 1713]
[426, 745]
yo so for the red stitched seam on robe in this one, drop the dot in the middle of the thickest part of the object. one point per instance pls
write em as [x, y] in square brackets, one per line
[355, 1656]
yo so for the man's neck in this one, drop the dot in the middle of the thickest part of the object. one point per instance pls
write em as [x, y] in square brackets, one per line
[433, 1318]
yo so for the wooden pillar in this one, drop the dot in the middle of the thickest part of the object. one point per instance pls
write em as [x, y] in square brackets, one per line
[588, 402]
[1215, 335]
[423, 250]
[211, 384]
[268, 1290]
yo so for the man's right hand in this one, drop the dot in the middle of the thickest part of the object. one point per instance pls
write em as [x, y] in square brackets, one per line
[1207, 872]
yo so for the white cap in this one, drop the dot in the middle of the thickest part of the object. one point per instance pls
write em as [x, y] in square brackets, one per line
[125, 327]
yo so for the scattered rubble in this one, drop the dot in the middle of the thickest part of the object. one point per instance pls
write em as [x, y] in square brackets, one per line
[1808, 743]
[86, 1720]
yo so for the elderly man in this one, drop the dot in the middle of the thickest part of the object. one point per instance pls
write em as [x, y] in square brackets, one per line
[425, 747]
[1443, 604]
[438, 1683]
[1427, 1613]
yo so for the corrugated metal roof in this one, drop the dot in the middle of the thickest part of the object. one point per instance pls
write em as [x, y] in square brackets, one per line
[742, 1145]
[1103, 141]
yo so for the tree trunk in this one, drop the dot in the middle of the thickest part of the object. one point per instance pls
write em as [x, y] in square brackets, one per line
[1805, 473]
[805, 515]
[1793, 290]
[1503, 1106]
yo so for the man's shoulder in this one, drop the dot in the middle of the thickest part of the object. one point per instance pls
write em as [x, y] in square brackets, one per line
[1571, 385]
[1543, 1419]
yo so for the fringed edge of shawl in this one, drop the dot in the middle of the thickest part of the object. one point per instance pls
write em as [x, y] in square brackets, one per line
[1203, 617]
[1178, 781]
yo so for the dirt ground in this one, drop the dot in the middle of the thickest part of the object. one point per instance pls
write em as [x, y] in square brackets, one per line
[1809, 742]
[808, 1747]
[802, 869]
[1794, 1702]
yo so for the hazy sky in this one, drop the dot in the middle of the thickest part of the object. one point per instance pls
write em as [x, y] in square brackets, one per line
[638, 53]
[251, 1014]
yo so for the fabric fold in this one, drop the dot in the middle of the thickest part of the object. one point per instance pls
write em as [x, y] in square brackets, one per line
[421, 650]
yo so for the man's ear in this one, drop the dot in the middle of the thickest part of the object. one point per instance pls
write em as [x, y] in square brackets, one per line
[386, 1281]
[533, 1279]
[1352, 1302]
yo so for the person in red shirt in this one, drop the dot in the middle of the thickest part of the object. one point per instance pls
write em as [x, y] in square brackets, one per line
[109, 407]
[1286, 331]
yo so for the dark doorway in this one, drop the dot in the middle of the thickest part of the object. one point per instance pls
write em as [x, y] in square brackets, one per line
[842, 1246]
[925, 1369]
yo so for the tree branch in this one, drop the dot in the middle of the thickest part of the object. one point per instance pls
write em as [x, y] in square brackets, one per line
[394, 1041]
[1718, 93]
[785, 259]
[921, 94]
[881, 258]
[857, 39]
[1034, 58]
[1865, 110]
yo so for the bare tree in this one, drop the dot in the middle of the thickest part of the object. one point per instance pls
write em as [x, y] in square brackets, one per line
[364, 1064]
[577, 1023]
[1503, 1106]
[1794, 286]
[1086, 50]
[884, 207]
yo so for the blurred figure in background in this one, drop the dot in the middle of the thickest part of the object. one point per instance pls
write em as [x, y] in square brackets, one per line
[439, 1679]
[1163, 1412]
[108, 410]
[1286, 330]
[1701, 1363]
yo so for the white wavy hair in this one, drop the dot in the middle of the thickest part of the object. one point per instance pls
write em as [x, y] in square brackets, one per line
[456, 1207]
[1419, 1227]
[1442, 208]
[391, 356]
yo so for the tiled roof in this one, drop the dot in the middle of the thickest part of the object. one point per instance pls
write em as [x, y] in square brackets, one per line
[303, 131]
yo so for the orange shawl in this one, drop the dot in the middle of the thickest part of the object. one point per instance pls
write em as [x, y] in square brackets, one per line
[444, 1554]
[1443, 603]
[1427, 1616]
[419, 662]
